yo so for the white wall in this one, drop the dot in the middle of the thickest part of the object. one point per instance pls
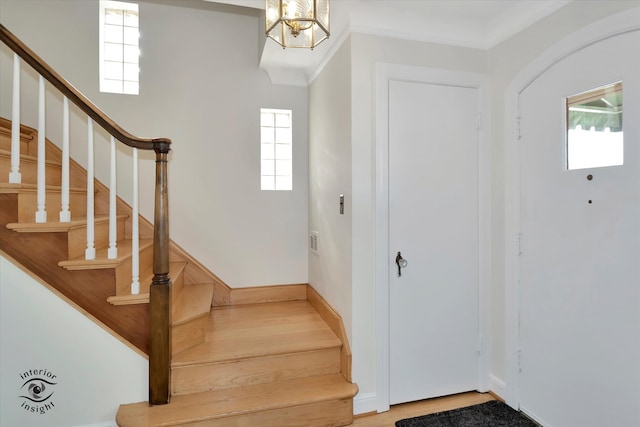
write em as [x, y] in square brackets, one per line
[95, 372]
[329, 177]
[201, 87]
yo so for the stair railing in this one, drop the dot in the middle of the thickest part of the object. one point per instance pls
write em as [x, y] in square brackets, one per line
[159, 294]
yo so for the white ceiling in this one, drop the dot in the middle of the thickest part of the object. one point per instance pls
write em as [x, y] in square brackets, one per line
[470, 23]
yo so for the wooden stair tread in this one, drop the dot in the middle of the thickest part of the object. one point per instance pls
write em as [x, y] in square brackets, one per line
[175, 268]
[56, 226]
[141, 298]
[29, 158]
[192, 302]
[101, 261]
[6, 187]
[260, 330]
[207, 406]
[27, 134]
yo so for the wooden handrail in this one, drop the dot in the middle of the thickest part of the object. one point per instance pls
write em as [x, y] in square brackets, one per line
[76, 96]
[160, 289]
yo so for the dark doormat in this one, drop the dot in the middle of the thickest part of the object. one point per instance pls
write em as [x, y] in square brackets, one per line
[489, 414]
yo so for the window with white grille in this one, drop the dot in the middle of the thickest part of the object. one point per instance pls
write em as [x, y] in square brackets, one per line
[119, 49]
[276, 170]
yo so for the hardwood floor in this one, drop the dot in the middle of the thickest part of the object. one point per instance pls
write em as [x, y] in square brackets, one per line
[424, 407]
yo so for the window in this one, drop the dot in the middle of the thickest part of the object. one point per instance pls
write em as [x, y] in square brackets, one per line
[119, 51]
[275, 150]
[594, 128]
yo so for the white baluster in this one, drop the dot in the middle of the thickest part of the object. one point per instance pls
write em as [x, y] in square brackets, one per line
[90, 252]
[41, 214]
[135, 238]
[113, 225]
[15, 177]
[65, 215]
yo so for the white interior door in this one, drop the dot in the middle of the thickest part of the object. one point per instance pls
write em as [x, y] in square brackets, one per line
[579, 294]
[433, 222]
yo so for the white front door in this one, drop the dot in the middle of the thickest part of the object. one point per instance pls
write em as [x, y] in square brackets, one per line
[433, 222]
[579, 294]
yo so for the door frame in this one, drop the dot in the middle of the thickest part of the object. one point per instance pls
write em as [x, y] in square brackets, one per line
[609, 27]
[384, 73]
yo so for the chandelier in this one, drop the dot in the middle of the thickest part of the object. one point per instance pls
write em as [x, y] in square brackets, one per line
[297, 23]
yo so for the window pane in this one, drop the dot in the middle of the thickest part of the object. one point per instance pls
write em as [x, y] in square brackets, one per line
[131, 54]
[131, 18]
[268, 167]
[283, 167]
[113, 70]
[112, 52]
[595, 136]
[590, 148]
[267, 119]
[282, 120]
[112, 34]
[130, 72]
[266, 135]
[113, 16]
[267, 151]
[283, 151]
[130, 88]
[283, 135]
[131, 36]
[111, 86]
[267, 183]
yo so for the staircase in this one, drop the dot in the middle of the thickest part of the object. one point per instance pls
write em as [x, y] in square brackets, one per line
[258, 356]
[268, 364]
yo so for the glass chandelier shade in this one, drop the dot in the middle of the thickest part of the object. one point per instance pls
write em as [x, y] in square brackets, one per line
[297, 23]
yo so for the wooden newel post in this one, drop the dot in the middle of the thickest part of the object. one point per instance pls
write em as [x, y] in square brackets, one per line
[160, 290]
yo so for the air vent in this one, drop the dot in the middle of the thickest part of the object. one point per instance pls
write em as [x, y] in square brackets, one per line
[313, 242]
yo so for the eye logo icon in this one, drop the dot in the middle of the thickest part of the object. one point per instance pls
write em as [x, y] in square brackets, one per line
[37, 391]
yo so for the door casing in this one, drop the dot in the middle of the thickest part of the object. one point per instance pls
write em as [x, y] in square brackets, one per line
[385, 73]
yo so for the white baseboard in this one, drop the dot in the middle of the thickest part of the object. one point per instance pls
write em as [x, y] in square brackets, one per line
[534, 417]
[101, 424]
[365, 404]
[497, 386]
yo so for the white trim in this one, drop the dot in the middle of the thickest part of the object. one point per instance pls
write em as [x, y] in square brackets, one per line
[364, 404]
[385, 73]
[497, 386]
[102, 424]
[466, 39]
[534, 417]
[612, 26]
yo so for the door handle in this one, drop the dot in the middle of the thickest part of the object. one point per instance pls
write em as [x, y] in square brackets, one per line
[401, 263]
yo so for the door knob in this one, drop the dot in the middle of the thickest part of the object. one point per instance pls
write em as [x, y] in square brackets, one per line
[401, 263]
